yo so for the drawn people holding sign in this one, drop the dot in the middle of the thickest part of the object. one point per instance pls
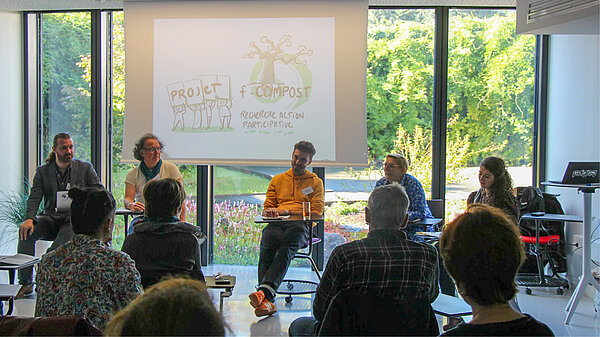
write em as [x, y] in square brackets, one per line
[178, 104]
[202, 95]
[195, 100]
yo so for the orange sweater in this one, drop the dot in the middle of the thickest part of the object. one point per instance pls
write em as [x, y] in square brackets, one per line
[285, 192]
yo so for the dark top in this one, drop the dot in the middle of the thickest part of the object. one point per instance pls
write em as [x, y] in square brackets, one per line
[45, 184]
[387, 262]
[526, 326]
[509, 205]
[162, 247]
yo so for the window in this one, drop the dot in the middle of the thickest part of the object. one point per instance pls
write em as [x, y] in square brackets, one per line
[66, 104]
[489, 112]
[490, 100]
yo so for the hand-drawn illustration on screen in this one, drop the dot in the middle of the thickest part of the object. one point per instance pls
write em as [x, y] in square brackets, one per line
[281, 72]
[201, 96]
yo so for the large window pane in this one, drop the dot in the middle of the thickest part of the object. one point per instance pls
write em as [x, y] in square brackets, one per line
[66, 104]
[490, 100]
[239, 196]
[399, 115]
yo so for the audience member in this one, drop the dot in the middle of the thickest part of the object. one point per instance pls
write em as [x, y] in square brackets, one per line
[496, 188]
[281, 241]
[386, 260]
[85, 276]
[482, 252]
[52, 181]
[147, 150]
[161, 244]
[173, 307]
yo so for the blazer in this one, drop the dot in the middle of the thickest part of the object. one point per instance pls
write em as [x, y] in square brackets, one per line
[45, 185]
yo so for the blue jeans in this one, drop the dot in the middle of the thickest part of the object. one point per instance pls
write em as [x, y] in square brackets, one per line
[278, 245]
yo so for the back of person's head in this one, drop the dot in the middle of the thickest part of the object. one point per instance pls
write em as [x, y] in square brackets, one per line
[164, 198]
[52, 156]
[482, 252]
[91, 207]
[307, 147]
[502, 179]
[174, 307]
[387, 206]
[399, 159]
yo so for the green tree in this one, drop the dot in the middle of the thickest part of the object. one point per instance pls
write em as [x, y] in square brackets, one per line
[66, 100]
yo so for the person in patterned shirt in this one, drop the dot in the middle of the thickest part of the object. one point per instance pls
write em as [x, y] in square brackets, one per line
[395, 168]
[386, 261]
[85, 276]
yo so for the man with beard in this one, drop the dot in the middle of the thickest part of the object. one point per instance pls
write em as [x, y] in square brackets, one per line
[52, 181]
[280, 241]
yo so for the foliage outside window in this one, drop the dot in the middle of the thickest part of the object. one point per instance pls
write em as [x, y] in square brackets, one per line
[66, 103]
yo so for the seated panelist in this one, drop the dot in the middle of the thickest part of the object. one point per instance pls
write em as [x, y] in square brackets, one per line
[51, 184]
[147, 150]
[280, 241]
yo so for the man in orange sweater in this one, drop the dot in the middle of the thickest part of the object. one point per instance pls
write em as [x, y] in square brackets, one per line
[280, 241]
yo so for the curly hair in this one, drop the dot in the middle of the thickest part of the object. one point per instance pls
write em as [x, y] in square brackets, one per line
[482, 251]
[173, 307]
[140, 144]
[305, 146]
[502, 186]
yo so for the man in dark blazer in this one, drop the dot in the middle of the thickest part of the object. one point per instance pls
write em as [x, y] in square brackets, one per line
[52, 180]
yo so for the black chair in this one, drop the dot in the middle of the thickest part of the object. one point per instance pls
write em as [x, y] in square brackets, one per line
[291, 287]
[436, 206]
[353, 312]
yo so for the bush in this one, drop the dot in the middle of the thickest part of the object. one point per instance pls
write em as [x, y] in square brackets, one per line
[343, 208]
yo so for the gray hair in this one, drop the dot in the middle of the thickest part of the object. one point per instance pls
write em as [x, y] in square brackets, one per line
[387, 206]
[139, 145]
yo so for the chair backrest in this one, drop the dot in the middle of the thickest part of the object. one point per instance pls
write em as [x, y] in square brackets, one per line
[355, 313]
[48, 326]
[436, 206]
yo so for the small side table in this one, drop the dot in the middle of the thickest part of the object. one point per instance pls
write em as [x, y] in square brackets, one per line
[586, 268]
[227, 287]
[8, 292]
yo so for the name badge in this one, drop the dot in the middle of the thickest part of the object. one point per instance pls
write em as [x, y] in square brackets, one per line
[307, 190]
[63, 202]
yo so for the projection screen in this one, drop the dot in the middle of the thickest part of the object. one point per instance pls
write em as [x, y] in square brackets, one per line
[239, 82]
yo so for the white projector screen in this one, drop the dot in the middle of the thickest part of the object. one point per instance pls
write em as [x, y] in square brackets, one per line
[239, 82]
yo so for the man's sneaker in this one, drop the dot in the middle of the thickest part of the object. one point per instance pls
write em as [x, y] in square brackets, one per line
[256, 298]
[266, 308]
[25, 290]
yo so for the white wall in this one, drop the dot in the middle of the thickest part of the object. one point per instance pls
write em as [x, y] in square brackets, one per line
[11, 112]
[573, 125]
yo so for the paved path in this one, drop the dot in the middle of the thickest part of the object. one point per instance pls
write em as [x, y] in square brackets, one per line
[341, 186]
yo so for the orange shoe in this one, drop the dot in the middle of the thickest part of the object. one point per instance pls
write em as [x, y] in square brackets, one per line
[256, 298]
[266, 308]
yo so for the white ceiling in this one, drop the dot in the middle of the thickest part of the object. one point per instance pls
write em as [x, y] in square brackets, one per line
[32, 5]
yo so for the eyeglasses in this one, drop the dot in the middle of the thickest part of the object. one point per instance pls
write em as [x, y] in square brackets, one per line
[391, 165]
[152, 149]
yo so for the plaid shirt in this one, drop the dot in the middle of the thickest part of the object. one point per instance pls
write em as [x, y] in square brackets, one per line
[386, 260]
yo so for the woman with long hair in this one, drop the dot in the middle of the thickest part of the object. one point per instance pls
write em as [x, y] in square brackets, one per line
[496, 188]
